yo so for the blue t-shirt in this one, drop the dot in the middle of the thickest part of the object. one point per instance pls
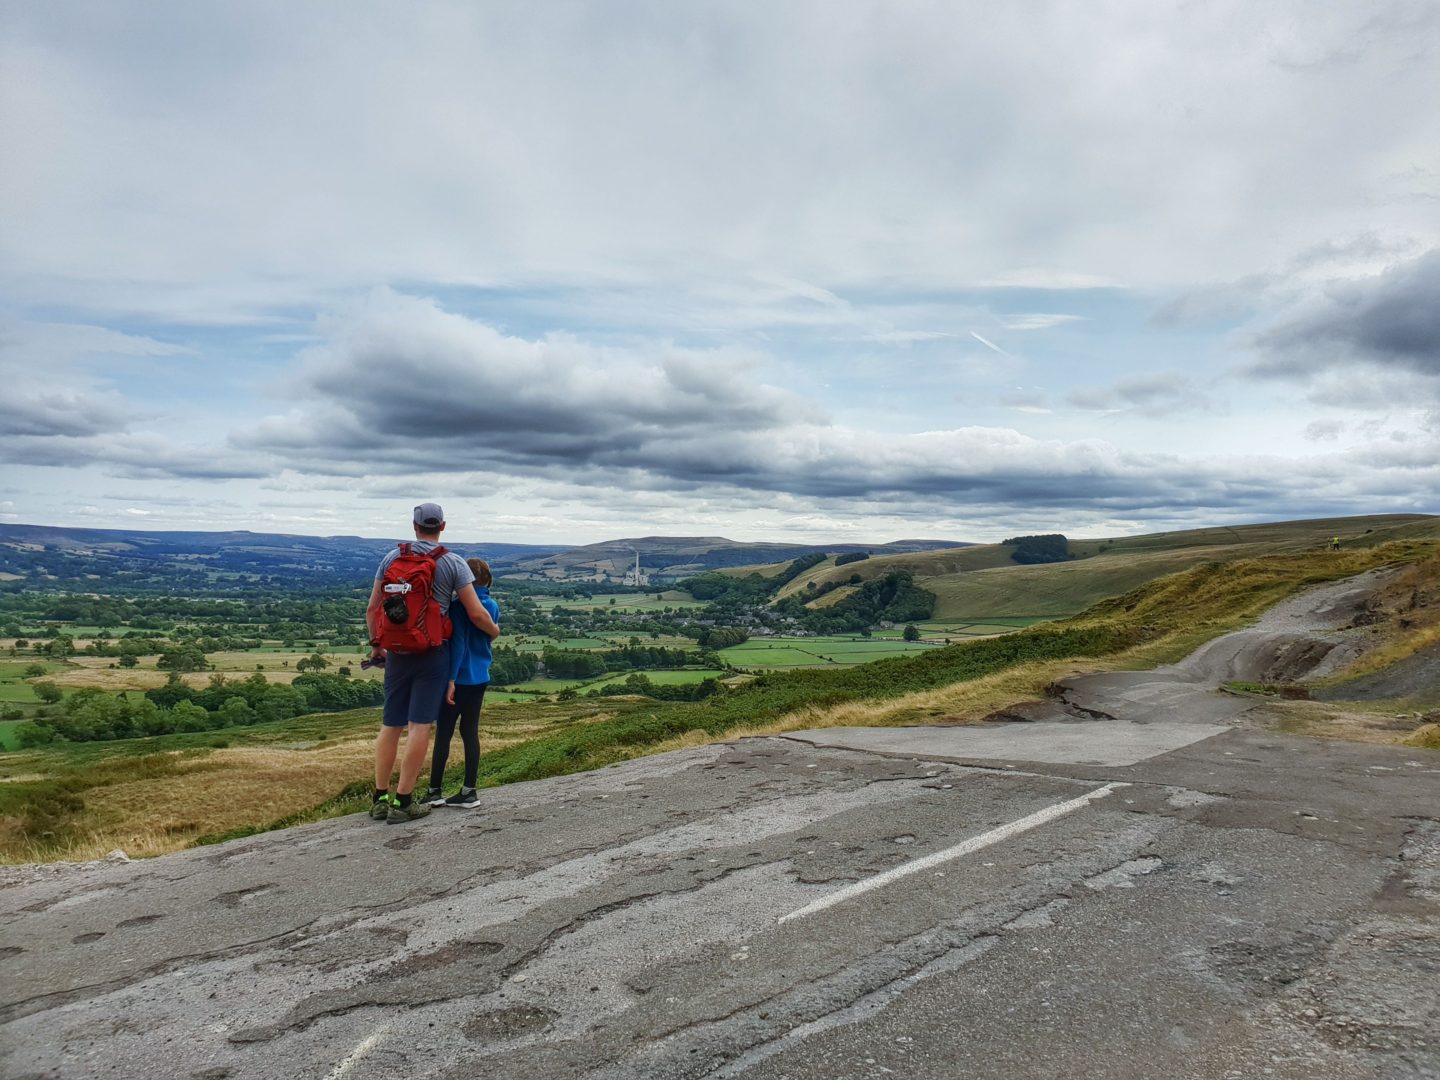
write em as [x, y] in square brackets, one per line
[469, 645]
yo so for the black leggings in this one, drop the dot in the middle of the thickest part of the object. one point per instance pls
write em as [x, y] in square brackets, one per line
[466, 709]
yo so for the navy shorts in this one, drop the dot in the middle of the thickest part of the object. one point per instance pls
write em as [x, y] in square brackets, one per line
[415, 686]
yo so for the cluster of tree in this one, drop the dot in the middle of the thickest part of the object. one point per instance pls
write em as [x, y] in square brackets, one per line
[311, 692]
[578, 664]
[752, 587]
[854, 556]
[91, 715]
[1044, 548]
[891, 597]
[641, 684]
[508, 666]
[182, 658]
[716, 638]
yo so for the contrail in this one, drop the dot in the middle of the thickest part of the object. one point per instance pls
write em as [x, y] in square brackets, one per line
[989, 344]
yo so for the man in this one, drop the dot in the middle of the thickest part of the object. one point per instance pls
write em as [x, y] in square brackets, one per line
[415, 682]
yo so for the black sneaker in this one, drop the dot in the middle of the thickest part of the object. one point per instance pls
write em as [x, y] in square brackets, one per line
[434, 797]
[466, 797]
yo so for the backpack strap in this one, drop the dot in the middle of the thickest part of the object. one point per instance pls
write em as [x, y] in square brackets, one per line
[437, 551]
[405, 548]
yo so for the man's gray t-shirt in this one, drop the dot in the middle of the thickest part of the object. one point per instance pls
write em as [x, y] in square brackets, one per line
[451, 572]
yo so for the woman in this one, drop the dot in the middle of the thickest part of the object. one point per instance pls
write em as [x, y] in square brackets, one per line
[469, 676]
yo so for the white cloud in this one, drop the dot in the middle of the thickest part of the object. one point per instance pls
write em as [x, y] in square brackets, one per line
[1037, 320]
[1044, 146]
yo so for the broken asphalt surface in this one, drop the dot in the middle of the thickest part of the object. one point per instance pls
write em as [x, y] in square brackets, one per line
[1137, 885]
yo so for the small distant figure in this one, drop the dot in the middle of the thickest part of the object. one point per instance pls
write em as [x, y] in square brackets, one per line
[1335, 543]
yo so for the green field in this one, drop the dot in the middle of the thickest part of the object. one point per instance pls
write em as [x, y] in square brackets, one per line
[20, 692]
[665, 677]
[15, 669]
[670, 598]
[540, 644]
[548, 686]
[679, 677]
[1051, 590]
[800, 652]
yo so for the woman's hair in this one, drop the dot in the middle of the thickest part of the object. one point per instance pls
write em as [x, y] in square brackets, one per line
[481, 569]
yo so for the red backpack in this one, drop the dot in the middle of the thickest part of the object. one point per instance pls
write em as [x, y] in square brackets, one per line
[411, 620]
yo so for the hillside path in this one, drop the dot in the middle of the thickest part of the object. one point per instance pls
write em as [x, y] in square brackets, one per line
[1148, 890]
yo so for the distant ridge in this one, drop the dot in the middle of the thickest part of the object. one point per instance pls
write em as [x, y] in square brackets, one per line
[671, 557]
[24, 548]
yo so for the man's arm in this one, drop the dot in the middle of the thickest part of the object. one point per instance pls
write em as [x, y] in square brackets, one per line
[476, 610]
[372, 617]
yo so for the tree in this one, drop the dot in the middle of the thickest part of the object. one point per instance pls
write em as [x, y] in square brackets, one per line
[281, 702]
[236, 712]
[191, 717]
[61, 647]
[1043, 548]
[48, 692]
[34, 670]
[911, 633]
[313, 662]
[128, 660]
[31, 734]
[184, 658]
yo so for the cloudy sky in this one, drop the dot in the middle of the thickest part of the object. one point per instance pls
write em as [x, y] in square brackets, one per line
[821, 270]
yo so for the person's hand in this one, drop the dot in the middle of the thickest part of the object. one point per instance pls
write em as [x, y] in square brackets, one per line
[450, 694]
[377, 653]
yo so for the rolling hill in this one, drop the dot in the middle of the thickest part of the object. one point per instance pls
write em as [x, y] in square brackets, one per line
[983, 581]
[673, 557]
[37, 553]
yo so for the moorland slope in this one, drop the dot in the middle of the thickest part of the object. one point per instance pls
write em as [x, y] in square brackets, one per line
[984, 581]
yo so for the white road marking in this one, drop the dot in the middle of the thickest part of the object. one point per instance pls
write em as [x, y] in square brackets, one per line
[358, 1053]
[965, 847]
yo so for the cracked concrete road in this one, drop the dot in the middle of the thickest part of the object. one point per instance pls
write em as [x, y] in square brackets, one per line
[1209, 903]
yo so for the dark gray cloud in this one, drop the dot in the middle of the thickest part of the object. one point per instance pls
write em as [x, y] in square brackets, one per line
[137, 456]
[1391, 320]
[404, 388]
[37, 411]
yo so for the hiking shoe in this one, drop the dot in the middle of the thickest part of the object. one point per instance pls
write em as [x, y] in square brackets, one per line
[380, 808]
[466, 797]
[399, 814]
[434, 797]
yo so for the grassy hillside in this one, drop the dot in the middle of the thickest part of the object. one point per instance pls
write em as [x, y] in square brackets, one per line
[984, 582]
[153, 795]
[1054, 590]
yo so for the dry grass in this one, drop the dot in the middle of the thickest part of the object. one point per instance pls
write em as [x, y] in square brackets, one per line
[211, 794]
[229, 789]
[97, 672]
[1427, 737]
[1377, 723]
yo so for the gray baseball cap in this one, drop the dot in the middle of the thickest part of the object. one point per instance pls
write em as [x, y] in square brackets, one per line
[429, 515]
